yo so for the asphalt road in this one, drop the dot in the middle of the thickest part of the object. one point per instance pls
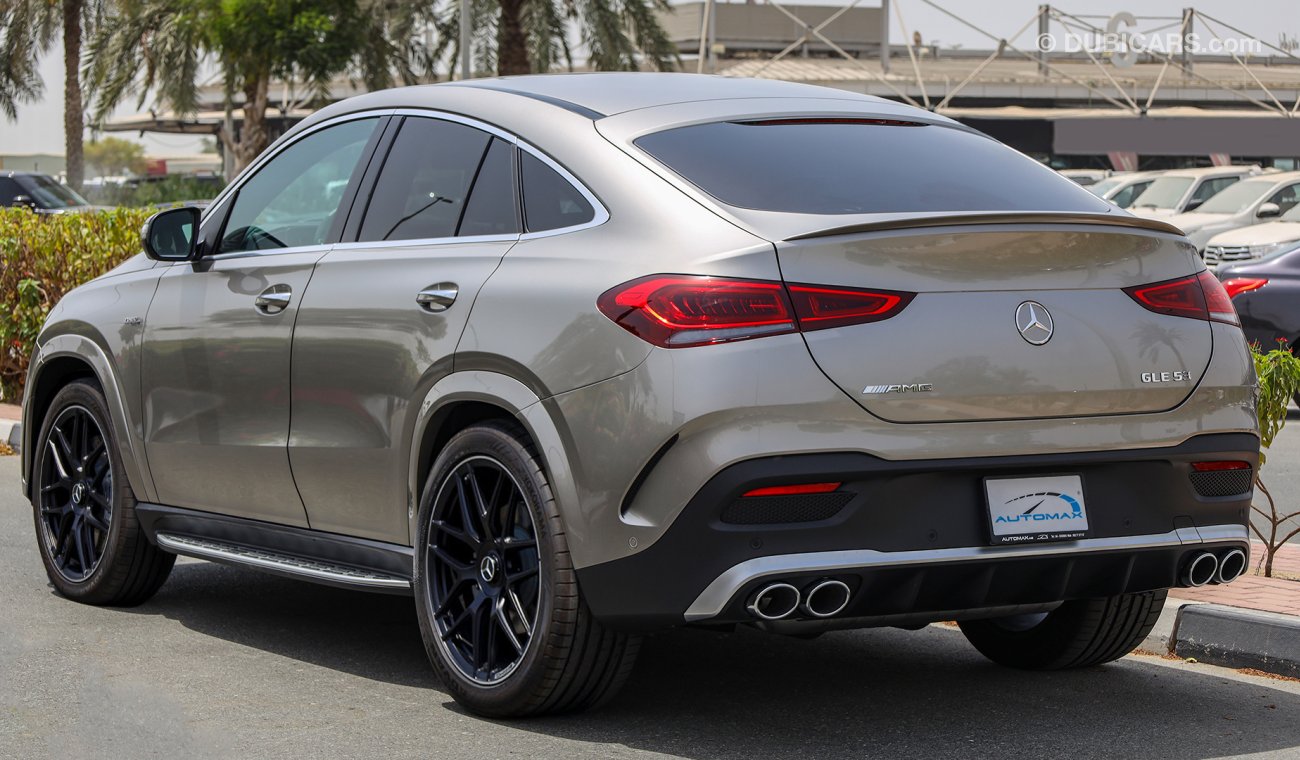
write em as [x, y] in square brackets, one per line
[231, 663]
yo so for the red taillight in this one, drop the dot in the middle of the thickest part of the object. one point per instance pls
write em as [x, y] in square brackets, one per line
[1198, 297]
[796, 490]
[819, 308]
[677, 311]
[1238, 285]
[1219, 466]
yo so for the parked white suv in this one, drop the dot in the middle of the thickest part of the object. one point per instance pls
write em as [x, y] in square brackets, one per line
[1255, 241]
[1251, 201]
[1183, 190]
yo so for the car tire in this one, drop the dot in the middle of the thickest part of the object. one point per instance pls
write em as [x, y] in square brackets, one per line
[91, 542]
[1078, 634]
[477, 581]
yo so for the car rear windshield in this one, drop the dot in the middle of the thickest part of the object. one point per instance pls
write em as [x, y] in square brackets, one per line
[861, 166]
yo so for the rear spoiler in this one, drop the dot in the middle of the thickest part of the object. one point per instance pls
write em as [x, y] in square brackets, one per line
[999, 217]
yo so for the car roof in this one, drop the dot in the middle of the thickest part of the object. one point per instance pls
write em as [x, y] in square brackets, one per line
[592, 96]
[609, 93]
[1210, 171]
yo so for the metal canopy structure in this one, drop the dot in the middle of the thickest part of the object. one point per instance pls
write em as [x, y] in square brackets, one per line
[1083, 84]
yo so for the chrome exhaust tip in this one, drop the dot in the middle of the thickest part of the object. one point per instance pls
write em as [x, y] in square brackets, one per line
[825, 599]
[1231, 566]
[774, 601]
[1200, 570]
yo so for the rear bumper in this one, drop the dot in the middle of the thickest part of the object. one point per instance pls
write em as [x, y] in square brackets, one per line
[912, 538]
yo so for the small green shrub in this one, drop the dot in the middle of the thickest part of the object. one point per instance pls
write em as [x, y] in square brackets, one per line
[1278, 371]
[42, 257]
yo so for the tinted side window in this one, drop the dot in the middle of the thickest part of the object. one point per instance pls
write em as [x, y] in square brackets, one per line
[8, 189]
[550, 202]
[1286, 198]
[426, 178]
[293, 199]
[491, 209]
[1210, 187]
[1124, 198]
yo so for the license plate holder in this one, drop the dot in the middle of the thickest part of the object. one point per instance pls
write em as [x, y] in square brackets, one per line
[1036, 509]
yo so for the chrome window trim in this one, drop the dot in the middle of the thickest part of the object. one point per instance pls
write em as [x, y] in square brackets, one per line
[228, 255]
[417, 242]
[713, 600]
[600, 214]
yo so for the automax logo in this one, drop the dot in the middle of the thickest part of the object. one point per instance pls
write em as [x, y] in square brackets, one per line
[1071, 510]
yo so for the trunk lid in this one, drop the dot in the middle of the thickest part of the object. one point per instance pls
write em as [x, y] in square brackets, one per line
[956, 352]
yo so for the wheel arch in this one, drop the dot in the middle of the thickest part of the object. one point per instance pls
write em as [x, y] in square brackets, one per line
[64, 359]
[465, 398]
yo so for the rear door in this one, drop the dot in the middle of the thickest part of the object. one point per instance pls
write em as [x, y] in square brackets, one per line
[380, 323]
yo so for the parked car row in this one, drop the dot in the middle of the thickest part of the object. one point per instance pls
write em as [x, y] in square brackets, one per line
[1230, 213]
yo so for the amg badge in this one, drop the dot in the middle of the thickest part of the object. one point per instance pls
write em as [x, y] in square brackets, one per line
[904, 388]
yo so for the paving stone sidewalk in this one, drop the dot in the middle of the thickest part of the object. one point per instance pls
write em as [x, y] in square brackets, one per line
[1255, 592]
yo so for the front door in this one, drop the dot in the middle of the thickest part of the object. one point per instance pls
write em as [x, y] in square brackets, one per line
[218, 333]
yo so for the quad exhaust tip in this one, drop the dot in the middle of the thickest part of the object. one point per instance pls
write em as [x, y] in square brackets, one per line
[774, 601]
[825, 599]
[1200, 570]
[1231, 566]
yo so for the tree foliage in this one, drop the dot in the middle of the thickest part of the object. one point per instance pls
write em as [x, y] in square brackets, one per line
[531, 36]
[113, 156]
[28, 29]
[159, 48]
[1278, 373]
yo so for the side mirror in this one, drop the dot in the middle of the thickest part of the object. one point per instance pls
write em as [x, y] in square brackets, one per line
[171, 235]
[1192, 205]
[1268, 209]
[24, 201]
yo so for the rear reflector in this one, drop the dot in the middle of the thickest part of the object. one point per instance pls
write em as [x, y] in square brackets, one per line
[795, 490]
[1238, 285]
[1198, 297]
[677, 311]
[1219, 466]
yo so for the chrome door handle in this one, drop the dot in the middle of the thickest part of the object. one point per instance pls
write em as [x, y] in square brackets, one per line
[438, 297]
[274, 299]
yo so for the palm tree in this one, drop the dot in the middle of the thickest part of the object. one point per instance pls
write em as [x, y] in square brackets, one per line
[529, 36]
[160, 48]
[28, 28]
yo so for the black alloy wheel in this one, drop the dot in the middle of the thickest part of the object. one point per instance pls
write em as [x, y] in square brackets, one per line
[484, 574]
[76, 494]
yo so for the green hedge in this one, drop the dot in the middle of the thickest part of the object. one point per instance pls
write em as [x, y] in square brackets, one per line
[41, 258]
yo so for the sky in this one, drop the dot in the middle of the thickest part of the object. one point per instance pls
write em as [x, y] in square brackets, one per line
[39, 127]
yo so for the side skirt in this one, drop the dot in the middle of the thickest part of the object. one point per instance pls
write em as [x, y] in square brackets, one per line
[309, 555]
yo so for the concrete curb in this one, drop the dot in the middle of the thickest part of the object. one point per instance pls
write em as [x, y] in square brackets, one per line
[11, 432]
[1237, 638]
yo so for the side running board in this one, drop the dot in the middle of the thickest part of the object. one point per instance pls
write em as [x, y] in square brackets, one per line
[286, 564]
[310, 555]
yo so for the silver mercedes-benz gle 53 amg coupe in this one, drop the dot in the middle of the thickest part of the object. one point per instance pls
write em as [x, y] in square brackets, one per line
[575, 358]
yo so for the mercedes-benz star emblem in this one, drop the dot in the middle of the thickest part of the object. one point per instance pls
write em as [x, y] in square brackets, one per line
[1034, 322]
[488, 568]
[78, 493]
